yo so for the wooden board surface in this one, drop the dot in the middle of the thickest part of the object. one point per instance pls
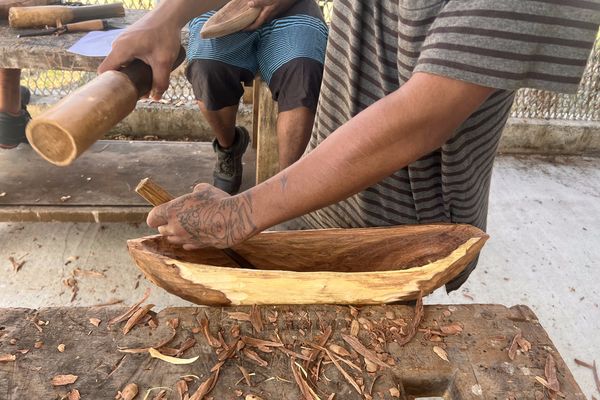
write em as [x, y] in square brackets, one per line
[33, 185]
[478, 367]
[50, 52]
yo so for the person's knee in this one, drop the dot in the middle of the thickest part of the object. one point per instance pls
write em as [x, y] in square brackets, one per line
[297, 84]
[216, 84]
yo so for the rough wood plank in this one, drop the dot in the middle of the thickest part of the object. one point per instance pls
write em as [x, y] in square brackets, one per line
[50, 52]
[479, 366]
[267, 159]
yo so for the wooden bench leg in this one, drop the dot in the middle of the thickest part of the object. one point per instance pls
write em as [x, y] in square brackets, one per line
[267, 153]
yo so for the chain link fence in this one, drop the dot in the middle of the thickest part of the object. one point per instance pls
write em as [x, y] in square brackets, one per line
[529, 103]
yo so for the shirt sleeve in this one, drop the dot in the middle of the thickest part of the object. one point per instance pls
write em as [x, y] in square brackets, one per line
[511, 44]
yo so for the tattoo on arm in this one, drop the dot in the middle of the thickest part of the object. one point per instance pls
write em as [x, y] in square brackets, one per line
[212, 222]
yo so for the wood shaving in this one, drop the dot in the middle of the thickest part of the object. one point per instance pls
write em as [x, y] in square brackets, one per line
[343, 372]
[339, 350]
[204, 326]
[127, 314]
[16, 265]
[136, 317]
[87, 272]
[128, 393]
[252, 397]
[161, 395]
[550, 372]
[172, 360]
[65, 198]
[182, 389]
[62, 380]
[38, 345]
[416, 321]
[370, 366]
[524, 344]
[7, 357]
[354, 327]
[74, 395]
[254, 342]
[256, 319]
[239, 316]
[95, 321]
[136, 350]
[302, 384]
[452, 329]
[594, 371]
[394, 392]
[252, 355]
[61, 348]
[441, 353]
[512, 350]
[206, 386]
[363, 351]
[245, 374]
[173, 323]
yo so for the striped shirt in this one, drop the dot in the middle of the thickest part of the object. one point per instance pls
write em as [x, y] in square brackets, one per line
[375, 46]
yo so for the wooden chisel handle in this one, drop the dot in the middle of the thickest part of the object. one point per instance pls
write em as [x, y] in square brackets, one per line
[87, 26]
[156, 195]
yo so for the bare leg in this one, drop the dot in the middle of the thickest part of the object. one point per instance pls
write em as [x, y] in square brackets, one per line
[10, 92]
[294, 128]
[222, 123]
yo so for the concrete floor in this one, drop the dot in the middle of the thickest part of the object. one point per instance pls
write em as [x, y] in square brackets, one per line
[544, 252]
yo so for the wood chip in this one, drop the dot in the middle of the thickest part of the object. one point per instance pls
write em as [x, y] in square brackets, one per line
[65, 198]
[256, 319]
[339, 350]
[252, 355]
[206, 386]
[441, 353]
[524, 344]
[514, 345]
[252, 397]
[254, 342]
[354, 327]
[95, 321]
[62, 380]
[162, 395]
[38, 345]
[172, 360]
[394, 392]
[452, 329]
[370, 366]
[245, 374]
[87, 272]
[239, 316]
[16, 266]
[343, 372]
[74, 395]
[136, 317]
[302, 384]
[61, 348]
[128, 393]
[363, 351]
[127, 314]
[137, 350]
[204, 326]
[182, 389]
[7, 357]
[550, 372]
[416, 321]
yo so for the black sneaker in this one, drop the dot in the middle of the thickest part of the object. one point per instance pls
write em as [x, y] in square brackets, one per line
[228, 168]
[12, 127]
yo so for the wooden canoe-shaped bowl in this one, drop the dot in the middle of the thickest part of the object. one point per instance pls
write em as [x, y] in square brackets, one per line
[331, 266]
[233, 17]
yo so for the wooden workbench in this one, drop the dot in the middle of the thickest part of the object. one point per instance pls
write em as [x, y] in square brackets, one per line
[478, 366]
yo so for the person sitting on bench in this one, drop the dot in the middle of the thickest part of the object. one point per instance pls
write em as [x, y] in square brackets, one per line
[286, 44]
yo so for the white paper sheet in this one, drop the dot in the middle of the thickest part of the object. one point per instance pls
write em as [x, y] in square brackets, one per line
[96, 44]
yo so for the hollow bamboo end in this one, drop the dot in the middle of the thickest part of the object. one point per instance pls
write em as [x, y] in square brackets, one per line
[51, 142]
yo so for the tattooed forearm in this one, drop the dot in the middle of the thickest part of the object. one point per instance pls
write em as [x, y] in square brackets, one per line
[215, 221]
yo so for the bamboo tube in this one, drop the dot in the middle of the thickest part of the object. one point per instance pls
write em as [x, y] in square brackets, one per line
[6, 5]
[233, 17]
[34, 17]
[63, 132]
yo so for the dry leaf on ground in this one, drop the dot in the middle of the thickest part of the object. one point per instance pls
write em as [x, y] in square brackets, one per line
[172, 360]
[61, 380]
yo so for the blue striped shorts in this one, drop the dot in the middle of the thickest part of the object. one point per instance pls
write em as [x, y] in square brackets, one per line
[265, 49]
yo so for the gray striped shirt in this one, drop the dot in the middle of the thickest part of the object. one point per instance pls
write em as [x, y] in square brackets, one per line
[375, 46]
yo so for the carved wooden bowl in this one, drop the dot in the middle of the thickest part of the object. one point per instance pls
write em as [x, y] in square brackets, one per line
[233, 17]
[331, 266]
